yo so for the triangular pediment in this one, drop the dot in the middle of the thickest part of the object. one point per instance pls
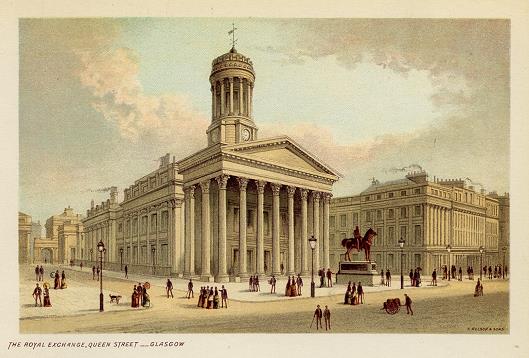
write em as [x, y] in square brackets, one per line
[283, 152]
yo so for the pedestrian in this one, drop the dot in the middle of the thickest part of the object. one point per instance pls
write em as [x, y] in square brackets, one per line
[478, 290]
[496, 271]
[126, 271]
[57, 281]
[169, 288]
[256, 283]
[210, 298]
[299, 282]
[412, 283]
[190, 292]
[327, 316]
[329, 277]
[37, 294]
[321, 273]
[250, 284]
[347, 298]
[408, 304]
[382, 283]
[354, 294]
[472, 273]
[272, 283]
[63, 280]
[434, 277]
[41, 271]
[216, 299]
[499, 272]
[81, 266]
[93, 272]
[460, 272]
[282, 268]
[388, 278]
[490, 272]
[37, 273]
[200, 295]
[97, 271]
[360, 291]
[224, 296]
[47, 301]
[318, 314]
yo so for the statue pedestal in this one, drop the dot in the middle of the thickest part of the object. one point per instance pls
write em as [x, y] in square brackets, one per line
[358, 271]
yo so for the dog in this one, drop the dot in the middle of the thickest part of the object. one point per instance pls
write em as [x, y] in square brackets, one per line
[115, 298]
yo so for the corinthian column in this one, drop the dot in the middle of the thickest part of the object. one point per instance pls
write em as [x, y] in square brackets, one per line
[304, 238]
[260, 227]
[231, 95]
[240, 96]
[326, 202]
[316, 228]
[190, 231]
[276, 269]
[222, 275]
[243, 183]
[206, 255]
[291, 191]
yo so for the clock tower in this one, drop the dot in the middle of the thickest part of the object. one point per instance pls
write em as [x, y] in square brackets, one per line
[232, 79]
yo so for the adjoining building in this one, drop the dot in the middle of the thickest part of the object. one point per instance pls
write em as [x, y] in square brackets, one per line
[429, 216]
[241, 206]
[24, 238]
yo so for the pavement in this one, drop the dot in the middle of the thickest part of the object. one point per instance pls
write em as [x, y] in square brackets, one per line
[72, 300]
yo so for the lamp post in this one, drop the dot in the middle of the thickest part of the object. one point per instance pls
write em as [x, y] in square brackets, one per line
[312, 243]
[153, 250]
[481, 250]
[449, 248]
[101, 249]
[121, 258]
[401, 244]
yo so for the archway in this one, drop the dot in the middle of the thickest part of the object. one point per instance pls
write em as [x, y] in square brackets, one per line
[46, 255]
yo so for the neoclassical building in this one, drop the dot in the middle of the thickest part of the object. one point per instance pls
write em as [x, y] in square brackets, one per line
[429, 215]
[24, 239]
[241, 206]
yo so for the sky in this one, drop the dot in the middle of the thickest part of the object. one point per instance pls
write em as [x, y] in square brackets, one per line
[100, 100]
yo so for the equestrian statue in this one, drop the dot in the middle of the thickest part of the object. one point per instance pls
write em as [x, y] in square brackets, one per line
[359, 243]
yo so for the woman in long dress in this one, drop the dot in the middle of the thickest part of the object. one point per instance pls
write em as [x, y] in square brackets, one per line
[293, 288]
[287, 289]
[210, 299]
[47, 301]
[216, 299]
[57, 281]
[133, 299]
[63, 281]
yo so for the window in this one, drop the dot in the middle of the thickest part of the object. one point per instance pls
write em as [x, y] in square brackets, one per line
[379, 196]
[403, 193]
[379, 239]
[379, 214]
[332, 222]
[343, 220]
[127, 227]
[134, 226]
[390, 195]
[417, 210]
[417, 191]
[165, 220]
[391, 213]
[367, 198]
[417, 234]
[355, 218]
[154, 223]
[368, 215]
[403, 212]
[391, 235]
[390, 261]
[120, 227]
[403, 232]
[144, 225]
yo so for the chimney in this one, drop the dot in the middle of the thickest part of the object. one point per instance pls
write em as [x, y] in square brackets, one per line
[113, 195]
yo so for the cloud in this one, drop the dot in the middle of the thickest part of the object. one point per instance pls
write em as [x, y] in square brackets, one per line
[112, 78]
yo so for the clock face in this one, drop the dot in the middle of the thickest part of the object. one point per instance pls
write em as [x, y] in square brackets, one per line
[245, 134]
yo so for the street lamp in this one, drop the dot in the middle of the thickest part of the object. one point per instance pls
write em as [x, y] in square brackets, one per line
[449, 248]
[312, 243]
[504, 249]
[481, 250]
[101, 249]
[153, 250]
[401, 244]
[121, 258]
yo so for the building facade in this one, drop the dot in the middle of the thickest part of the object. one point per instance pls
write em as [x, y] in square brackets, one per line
[428, 215]
[239, 207]
[24, 238]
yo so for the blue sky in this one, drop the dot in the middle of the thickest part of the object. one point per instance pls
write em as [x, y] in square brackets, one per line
[102, 99]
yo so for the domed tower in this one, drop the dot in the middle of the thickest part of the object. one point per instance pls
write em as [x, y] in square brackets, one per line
[232, 79]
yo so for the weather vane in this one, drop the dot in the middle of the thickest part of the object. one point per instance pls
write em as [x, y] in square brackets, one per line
[232, 33]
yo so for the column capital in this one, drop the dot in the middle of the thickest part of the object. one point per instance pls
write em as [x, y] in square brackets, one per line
[205, 186]
[316, 196]
[276, 188]
[243, 183]
[291, 190]
[230, 79]
[222, 180]
[190, 191]
[327, 197]
[260, 186]
[304, 193]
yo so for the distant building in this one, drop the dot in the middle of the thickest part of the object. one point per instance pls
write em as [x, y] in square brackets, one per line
[63, 231]
[429, 215]
[24, 238]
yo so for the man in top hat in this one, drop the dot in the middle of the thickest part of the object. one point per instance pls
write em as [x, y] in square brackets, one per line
[327, 317]
[37, 294]
[318, 314]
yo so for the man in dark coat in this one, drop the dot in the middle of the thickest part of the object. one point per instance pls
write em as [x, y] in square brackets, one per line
[388, 278]
[224, 296]
[329, 277]
[37, 272]
[318, 315]
[37, 293]
[360, 291]
[327, 316]
[93, 272]
[126, 271]
[169, 288]
[412, 282]
[41, 270]
[299, 282]
[408, 304]
[434, 277]
[190, 292]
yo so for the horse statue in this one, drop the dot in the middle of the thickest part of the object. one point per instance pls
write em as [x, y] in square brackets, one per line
[359, 243]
